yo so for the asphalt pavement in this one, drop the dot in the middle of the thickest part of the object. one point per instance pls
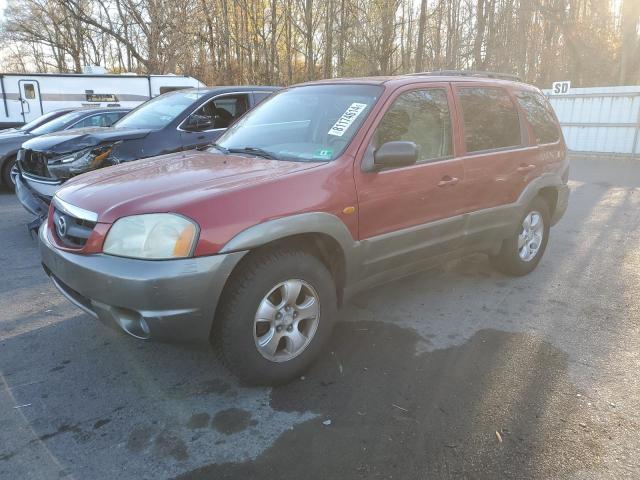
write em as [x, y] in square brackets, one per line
[459, 372]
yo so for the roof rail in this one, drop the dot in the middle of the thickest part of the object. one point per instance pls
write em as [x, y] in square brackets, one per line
[471, 73]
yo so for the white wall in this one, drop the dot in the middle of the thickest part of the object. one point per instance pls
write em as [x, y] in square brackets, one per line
[600, 120]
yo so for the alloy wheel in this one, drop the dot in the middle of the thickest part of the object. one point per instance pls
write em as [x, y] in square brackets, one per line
[530, 238]
[286, 320]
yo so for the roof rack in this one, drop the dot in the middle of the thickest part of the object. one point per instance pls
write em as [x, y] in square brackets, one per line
[471, 73]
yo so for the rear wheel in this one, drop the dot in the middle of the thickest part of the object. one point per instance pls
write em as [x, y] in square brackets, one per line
[6, 173]
[276, 315]
[520, 254]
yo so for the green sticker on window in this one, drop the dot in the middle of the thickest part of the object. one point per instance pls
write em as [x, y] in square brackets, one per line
[325, 154]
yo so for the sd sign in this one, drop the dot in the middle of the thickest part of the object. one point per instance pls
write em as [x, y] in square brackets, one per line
[561, 88]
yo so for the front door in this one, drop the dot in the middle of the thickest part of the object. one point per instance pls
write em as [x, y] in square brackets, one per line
[208, 122]
[30, 99]
[410, 213]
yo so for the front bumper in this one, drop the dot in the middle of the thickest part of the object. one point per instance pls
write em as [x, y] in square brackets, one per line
[35, 196]
[165, 300]
[561, 204]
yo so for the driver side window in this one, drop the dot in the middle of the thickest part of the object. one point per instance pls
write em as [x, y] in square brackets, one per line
[218, 113]
[419, 116]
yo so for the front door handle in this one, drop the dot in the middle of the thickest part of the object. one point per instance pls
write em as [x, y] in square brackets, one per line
[447, 180]
[526, 168]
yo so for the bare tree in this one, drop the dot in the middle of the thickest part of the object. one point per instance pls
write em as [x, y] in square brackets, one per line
[286, 41]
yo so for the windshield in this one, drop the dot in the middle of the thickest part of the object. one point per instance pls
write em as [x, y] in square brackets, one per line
[59, 123]
[307, 123]
[41, 120]
[160, 111]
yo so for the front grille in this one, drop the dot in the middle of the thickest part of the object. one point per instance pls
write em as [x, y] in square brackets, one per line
[34, 163]
[72, 232]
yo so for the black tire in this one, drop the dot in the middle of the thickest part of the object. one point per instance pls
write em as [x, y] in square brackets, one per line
[6, 173]
[233, 332]
[508, 260]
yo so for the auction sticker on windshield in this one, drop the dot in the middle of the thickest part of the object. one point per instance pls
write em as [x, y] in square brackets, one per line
[347, 118]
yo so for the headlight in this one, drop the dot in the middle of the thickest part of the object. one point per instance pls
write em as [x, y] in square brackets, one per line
[79, 162]
[157, 236]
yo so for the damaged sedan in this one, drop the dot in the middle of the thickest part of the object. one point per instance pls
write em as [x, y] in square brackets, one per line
[178, 120]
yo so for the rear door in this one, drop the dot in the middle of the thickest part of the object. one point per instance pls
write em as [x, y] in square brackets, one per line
[406, 214]
[544, 130]
[498, 159]
[30, 99]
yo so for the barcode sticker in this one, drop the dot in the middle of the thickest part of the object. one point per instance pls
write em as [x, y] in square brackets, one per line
[347, 118]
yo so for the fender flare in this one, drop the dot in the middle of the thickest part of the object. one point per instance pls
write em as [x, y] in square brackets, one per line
[303, 223]
[533, 188]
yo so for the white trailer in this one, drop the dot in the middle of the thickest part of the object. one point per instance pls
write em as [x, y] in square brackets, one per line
[27, 96]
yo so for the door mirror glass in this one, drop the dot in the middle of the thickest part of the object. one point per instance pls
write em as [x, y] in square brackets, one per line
[396, 154]
[198, 123]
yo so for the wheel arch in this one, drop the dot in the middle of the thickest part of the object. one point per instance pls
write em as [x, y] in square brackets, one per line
[321, 234]
[4, 164]
[549, 195]
[545, 186]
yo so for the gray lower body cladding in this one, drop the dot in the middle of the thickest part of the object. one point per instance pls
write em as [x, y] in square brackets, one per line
[164, 300]
[561, 204]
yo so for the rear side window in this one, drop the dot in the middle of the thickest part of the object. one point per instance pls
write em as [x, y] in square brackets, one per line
[490, 119]
[540, 115]
[260, 96]
[422, 117]
[99, 120]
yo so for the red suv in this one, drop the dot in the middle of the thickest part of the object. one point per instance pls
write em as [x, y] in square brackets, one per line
[324, 189]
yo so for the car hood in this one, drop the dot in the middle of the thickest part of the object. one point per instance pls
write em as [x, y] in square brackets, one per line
[14, 135]
[68, 141]
[169, 183]
[13, 131]
[9, 144]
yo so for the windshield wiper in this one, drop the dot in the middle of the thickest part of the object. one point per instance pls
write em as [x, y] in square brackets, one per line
[258, 152]
[218, 147]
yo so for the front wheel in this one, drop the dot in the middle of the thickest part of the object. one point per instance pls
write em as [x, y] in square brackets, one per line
[276, 314]
[7, 177]
[520, 254]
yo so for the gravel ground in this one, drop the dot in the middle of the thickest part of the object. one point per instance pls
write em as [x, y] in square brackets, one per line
[459, 372]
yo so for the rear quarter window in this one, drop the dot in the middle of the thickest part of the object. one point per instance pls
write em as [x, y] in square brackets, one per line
[491, 119]
[539, 114]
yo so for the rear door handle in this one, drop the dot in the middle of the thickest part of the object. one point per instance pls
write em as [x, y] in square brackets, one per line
[447, 180]
[526, 168]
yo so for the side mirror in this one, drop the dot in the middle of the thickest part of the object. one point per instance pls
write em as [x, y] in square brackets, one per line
[198, 122]
[395, 154]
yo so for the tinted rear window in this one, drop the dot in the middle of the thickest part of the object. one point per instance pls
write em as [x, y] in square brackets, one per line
[540, 115]
[490, 119]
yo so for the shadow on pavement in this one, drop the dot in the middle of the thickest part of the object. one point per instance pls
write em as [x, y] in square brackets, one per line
[499, 406]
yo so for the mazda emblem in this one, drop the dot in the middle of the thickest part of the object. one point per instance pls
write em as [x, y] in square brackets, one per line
[61, 227]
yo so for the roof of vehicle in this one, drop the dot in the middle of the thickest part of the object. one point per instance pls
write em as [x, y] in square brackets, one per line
[444, 76]
[228, 88]
[100, 109]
